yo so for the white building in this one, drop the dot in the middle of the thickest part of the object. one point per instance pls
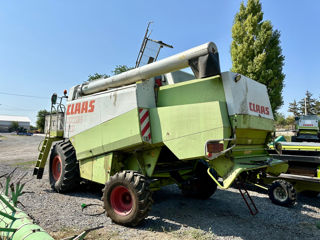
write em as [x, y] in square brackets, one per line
[6, 122]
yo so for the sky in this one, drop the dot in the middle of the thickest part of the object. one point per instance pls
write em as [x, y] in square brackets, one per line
[48, 46]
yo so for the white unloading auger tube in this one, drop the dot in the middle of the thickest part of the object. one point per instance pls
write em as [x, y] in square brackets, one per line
[170, 64]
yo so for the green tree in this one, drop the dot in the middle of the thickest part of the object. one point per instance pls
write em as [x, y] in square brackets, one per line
[97, 76]
[14, 127]
[120, 69]
[256, 51]
[117, 70]
[310, 102]
[317, 107]
[290, 120]
[280, 119]
[41, 119]
[294, 108]
[33, 128]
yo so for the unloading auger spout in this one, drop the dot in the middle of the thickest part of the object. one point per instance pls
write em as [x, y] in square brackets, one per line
[163, 66]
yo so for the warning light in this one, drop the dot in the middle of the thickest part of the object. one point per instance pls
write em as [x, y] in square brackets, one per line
[158, 81]
[214, 147]
[65, 92]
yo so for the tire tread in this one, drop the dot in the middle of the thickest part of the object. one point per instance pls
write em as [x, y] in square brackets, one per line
[140, 185]
[71, 177]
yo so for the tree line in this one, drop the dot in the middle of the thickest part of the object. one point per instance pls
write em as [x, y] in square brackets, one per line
[299, 108]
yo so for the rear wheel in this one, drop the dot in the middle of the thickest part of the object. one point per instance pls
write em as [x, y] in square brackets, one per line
[200, 185]
[127, 198]
[64, 169]
[282, 193]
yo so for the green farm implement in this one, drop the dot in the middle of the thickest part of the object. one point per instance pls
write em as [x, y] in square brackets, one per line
[304, 164]
[14, 223]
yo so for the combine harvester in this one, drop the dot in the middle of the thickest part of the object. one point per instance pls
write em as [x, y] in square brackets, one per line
[302, 155]
[155, 125]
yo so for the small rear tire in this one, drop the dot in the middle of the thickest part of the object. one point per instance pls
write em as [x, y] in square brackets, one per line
[282, 193]
[201, 185]
[127, 198]
[63, 167]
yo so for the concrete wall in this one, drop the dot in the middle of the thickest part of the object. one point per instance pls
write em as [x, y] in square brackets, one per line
[5, 125]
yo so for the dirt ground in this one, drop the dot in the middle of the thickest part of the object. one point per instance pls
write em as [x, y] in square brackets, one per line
[223, 216]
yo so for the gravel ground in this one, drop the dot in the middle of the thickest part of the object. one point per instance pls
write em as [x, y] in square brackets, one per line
[19, 149]
[223, 216]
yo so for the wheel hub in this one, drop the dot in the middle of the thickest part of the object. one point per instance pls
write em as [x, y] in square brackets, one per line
[56, 167]
[121, 200]
[280, 194]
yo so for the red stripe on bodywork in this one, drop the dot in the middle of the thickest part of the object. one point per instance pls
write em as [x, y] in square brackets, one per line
[145, 129]
[144, 117]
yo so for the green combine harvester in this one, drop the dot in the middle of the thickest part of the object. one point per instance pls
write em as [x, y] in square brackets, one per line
[307, 129]
[155, 125]
[302, 155]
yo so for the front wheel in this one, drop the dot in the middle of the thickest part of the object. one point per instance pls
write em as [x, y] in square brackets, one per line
[64, 169]
[127, 198]
[282, 193]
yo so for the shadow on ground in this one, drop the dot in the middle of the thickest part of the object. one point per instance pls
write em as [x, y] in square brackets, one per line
[225, 214]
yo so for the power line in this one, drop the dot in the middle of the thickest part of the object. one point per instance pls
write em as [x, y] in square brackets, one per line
[14, 108]
[22, 95]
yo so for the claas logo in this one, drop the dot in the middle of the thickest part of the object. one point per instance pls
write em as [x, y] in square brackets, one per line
[258, 108]
[81, 107]
[307, 125]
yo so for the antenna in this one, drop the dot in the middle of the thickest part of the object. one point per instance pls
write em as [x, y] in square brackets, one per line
[150, 49]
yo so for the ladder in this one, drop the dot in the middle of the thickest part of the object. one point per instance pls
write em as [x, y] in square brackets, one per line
[49, 137]
[249, 202]
[46, 146]
[43, 154]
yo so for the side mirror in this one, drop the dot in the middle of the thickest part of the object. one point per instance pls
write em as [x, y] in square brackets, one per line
[54, 98]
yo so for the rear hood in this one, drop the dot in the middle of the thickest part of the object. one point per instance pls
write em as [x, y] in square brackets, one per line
[245, 96]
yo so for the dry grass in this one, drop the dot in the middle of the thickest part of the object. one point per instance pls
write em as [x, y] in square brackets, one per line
[100, 234]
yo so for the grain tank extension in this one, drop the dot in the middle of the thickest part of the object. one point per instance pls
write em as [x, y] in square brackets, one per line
[155, 125]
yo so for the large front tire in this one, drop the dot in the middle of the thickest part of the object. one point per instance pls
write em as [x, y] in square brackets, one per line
[282, 193]
[127, 198]
[64, 169]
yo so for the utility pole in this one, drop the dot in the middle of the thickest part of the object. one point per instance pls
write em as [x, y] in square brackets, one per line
[305, 106]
